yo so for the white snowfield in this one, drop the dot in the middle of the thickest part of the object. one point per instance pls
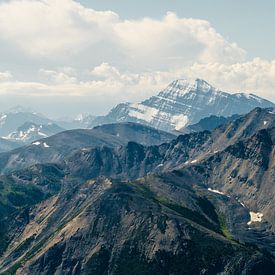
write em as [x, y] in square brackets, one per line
[179, 121]
[241, 203]
[25, 135]
[46, 145]
[143, 112]
[215, 191]
[255, 217]
[149, 114]
[36, 143]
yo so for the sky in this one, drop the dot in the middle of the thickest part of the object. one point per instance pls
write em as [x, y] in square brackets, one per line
[65, 57]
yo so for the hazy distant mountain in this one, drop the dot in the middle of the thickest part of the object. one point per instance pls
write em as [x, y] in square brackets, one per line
[7, 145]
[207, 123]
[30, 131]
[57, 147]
[81, 121]
[23, 124]
[183, 103]
[11, 121]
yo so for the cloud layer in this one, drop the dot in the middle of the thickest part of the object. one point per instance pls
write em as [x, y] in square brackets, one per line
[67, 49]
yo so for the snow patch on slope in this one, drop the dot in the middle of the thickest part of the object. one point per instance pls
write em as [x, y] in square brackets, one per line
[179, 121]
[142, 112]
[3, 119]
[215, 191]
[36, 143]
[255, 217]
[26, 135]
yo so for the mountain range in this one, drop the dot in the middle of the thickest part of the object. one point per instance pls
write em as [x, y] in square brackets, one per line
[174, 109]
[29, 132]
[114, 200]
[183, 103]
[181, 183]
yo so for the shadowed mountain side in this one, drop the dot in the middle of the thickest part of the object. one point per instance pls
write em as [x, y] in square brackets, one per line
[106, 226]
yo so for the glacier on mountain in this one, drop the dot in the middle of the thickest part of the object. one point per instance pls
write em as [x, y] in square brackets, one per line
[183, 103]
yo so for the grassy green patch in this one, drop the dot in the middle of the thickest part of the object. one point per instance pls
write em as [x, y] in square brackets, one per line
[17, 196]
[223, 226]
[12, 270]
[219, 224]
[179, 209]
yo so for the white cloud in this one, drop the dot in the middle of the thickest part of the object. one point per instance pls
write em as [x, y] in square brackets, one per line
[52, 27]
[4, 76]
[110, 81]
[176, 41]
[104, 70]
[112, 86]
[59, 29]
[83, 52]
[64, 76]
[255, 76]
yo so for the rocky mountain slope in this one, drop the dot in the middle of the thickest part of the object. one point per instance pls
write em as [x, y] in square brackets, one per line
[207, 124]
[106, 145]
[7, 145]
[109, 227]
[57, 147]
[202, 203]
[245, 171]
[183, 103]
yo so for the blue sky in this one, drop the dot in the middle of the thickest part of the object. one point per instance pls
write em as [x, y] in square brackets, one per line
[65, 57]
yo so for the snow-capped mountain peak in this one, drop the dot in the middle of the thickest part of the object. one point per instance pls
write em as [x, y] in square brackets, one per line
[182, 103]
[203, 86]
[181, 87]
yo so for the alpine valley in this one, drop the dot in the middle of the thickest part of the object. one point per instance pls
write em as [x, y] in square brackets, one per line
[181, 183]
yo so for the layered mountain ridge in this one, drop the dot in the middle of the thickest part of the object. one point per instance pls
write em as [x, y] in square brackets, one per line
[178, 106]
[183, 103]
[126, 198]
[186, 206]
[29, 132]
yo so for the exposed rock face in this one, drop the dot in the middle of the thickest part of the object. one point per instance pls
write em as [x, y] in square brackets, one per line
[105, 150]
[187, 206]
[57, 147]
[107, 227]
[246, 170]
[208, 124]
[182, 104]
